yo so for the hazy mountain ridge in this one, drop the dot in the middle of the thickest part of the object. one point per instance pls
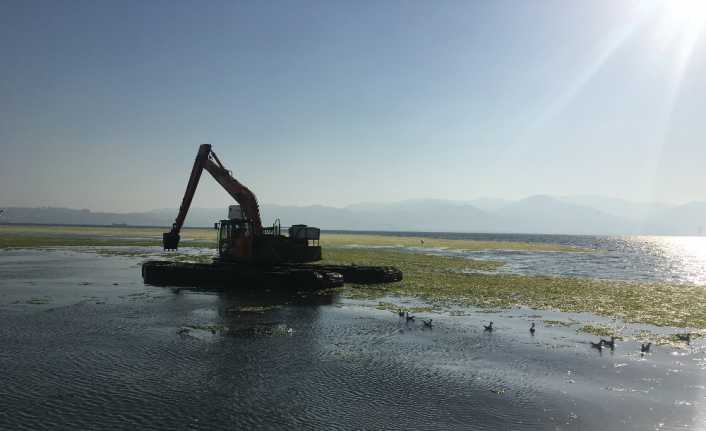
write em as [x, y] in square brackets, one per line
[545, 214]
[535, 214]
[638, 211]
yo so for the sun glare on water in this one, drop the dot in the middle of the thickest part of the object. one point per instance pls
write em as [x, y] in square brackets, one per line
[685, 255]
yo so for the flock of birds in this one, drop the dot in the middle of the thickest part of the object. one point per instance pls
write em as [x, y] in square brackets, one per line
[644, 347]
[410, 318]
[427, 323]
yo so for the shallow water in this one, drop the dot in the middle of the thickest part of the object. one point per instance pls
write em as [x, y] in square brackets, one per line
[675, 259]
[85, 345]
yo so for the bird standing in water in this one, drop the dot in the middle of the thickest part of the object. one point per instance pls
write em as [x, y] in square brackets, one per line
[409, 318]
[610, 343]
[427, 323]
[684, 337]
[489, 327]
[645, 348]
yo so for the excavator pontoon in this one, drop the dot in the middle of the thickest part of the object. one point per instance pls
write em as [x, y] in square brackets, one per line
[250, 253]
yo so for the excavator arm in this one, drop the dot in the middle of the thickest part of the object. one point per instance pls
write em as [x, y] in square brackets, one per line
[207, 159]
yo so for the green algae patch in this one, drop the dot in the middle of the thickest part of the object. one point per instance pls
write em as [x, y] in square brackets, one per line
[395, 308]
[28, 236]
[449, 281]
[564, 323]
[37, 301]
[171, 256]
[123, 253]
[599, 330]
[407, 262]
[261, 330]
[212, 328]
[33, 241]
[193, 258]
[252, 308]
[365, 240]
[148, 233]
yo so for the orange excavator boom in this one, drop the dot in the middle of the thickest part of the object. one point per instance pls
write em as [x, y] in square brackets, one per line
[207, 159]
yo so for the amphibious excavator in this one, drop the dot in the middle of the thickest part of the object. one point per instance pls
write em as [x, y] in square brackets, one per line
[249, 252]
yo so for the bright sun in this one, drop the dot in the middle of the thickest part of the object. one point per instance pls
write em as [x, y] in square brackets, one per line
[686, 17]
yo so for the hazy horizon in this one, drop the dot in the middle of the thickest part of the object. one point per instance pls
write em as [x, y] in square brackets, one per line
[539, 214]
[105, 104]
[229, 201]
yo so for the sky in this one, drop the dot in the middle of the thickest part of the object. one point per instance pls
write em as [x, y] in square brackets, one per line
[104, 104]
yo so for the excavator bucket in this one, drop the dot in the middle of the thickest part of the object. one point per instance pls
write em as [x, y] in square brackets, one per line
[170, 240]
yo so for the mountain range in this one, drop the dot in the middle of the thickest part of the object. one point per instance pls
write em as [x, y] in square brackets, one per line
[586, 214]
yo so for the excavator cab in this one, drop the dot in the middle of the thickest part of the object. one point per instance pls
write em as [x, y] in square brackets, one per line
[235, 236]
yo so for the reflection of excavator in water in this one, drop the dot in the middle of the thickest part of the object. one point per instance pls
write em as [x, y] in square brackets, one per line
[247, 251]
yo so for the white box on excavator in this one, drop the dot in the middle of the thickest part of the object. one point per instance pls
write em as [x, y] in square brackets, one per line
[235, 212]
[304, 232]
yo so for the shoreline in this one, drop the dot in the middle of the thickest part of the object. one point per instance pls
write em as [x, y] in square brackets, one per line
[441, 280]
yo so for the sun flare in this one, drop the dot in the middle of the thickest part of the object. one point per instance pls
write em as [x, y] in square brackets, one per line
[684, 17]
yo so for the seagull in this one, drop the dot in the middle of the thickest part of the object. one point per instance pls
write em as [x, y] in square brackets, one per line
[684, 337]
[532, 329]
[409, 317]
[610, 343]
[645, 348]
[488, 328]
[427, 323]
